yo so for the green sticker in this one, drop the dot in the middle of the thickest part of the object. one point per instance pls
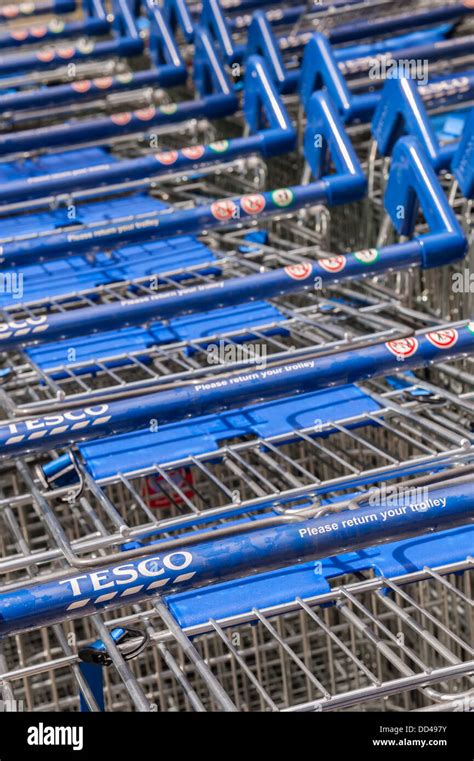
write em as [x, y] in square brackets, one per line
[367, 256]
[125, 78]
[283, 197]
[169, 108]
[220, 146]
[470, 327]
[56, 26]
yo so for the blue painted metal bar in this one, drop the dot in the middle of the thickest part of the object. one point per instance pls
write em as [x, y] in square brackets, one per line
[126, 41]
[217, 99]
[262, 106]
[55, 30]
[203, 562]
[217, 23]
[236, 389]
[348, 183]
[22, 10]
[401, 110]
[463, 160]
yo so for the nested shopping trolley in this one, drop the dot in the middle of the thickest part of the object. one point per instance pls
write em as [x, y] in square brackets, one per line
[262, 277]
[244, 483]
[380, 629]
[371, 639]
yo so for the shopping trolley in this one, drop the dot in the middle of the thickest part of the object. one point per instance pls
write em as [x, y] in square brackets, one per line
[341, 23]
[448, 148]
[249, 473]
[269, 132]
[94, 22]
[268, 474]
[218, 282]
[115, 83]
[19, 68]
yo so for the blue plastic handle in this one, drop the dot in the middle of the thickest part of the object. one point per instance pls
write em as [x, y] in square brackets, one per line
[463, 161]
[261, 41]
[348, 183]
[271, 134]
[412, 183]
[177, 15]
[54, 30]
[442, 244]
[13, 10]
[162, 46]
[321, 69]
[127, 42]
[400, 111]
[203, 562]
[357, 30]
[190, 400]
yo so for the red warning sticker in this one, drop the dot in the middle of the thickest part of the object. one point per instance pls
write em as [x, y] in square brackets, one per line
[160, 494]
[103, 83]
[19, 34]
[83, 85]
[38, 31]
[46, 55]
[193, 152]
[10, 11]
[166, 157]
[66, 52]
[443, 339]
[145, 114]
[223, 210]
[253, 203]
[333, 263]
[121, 119]
[299, 271]
[403, 347]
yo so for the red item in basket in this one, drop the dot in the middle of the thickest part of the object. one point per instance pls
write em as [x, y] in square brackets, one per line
[182, 478]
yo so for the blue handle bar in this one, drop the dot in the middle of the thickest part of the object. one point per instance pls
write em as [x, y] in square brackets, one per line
[236, 389]
[401, 110]
[348, 183]
[59, 56]
[127, 42]
[321, 69]
[218, 99]
[225, 558]
[271, 133]
[15, 10]
[53, 30]
[443, 244]
[463, 161]
[85, 89]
